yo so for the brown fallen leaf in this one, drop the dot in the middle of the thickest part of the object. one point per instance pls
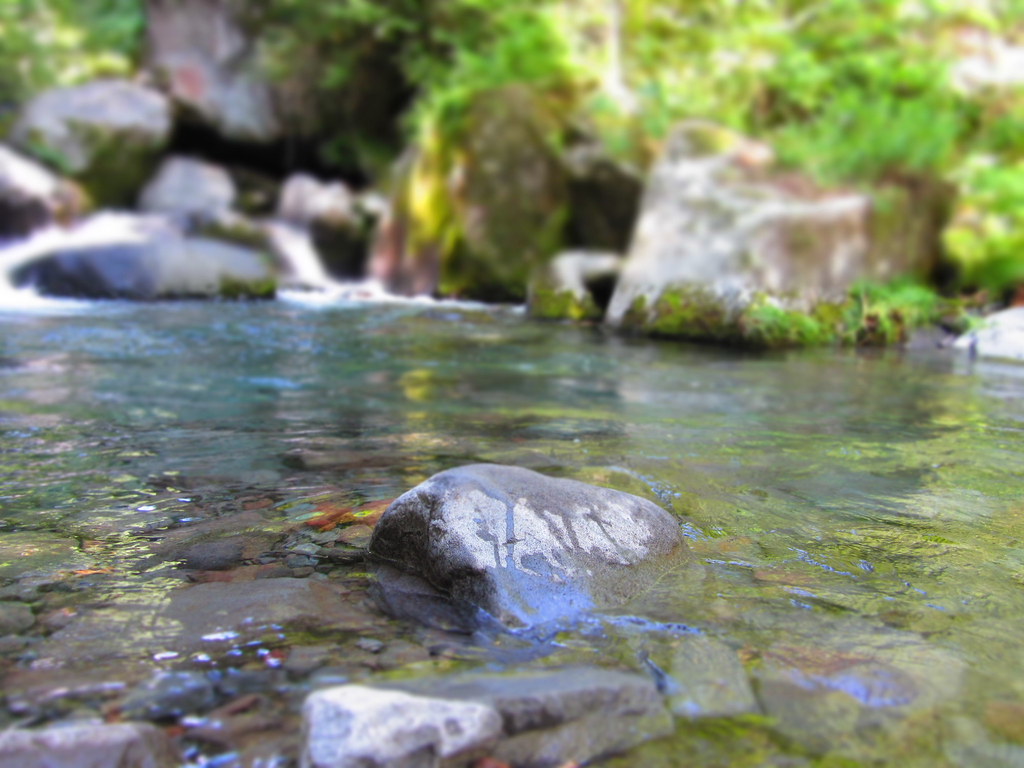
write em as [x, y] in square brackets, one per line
[91, 571]
[333, 515]
[490, 762]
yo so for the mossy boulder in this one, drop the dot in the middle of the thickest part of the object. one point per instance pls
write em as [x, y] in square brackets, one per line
[727, 250]
[478, 206]
[106, 134]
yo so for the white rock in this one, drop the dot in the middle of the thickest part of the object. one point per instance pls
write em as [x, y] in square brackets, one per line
[352, 726]
[1001, 336]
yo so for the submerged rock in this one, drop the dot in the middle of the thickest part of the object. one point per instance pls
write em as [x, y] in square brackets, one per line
[554, 717]
[214, 607]
[521, 547]
[708, 680]
[106, 134]
[532, 719]
[170, 694]
[92, 745]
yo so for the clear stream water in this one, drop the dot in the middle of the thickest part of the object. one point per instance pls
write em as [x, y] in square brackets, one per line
[857, 518]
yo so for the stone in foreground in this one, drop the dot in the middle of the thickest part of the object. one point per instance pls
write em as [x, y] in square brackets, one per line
[558, 717]
[520, 547]
[124, 745]
[529, 719]
[353, 726]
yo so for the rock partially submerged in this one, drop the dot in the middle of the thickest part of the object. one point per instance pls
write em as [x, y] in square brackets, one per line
[534, 719]
[495, 541]
[90, 745]
[140, 258]
[1002, 336]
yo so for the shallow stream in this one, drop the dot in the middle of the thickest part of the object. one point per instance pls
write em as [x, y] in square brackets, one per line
[857, 518]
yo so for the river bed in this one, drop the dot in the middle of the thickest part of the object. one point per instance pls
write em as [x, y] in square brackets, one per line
[856, 516]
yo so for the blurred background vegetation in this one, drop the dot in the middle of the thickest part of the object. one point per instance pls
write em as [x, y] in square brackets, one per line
[849, 92]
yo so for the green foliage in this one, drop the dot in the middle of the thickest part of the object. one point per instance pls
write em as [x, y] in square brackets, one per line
[865, 136]
[61, 42]
[986, 239]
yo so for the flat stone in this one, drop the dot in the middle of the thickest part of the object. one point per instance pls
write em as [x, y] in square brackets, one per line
[550, 718]
[223, 606]
[15, 618]
[354, 726]
[169, 694]
[523, 548]
[92, 745]
[709, 680]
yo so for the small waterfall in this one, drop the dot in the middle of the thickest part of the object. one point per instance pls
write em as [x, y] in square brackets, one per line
[293, 245]
[101, 229]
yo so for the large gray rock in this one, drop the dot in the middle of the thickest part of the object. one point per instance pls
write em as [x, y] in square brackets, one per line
[93, 745]
[189, 187]
[718, 236]
[106, 134]
[143, 259]
[524, 548]
[1001, 336]
[30, 196]
[210, 66]
[353, 726]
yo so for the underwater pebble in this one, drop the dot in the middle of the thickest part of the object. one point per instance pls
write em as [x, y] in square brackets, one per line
[15, 618]
[169, 694]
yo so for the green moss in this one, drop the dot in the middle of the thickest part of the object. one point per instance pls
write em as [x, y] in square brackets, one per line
[691, 313]
[874, 314]
[773, 327]
[120, 165]
[549, 304]
[232, 288]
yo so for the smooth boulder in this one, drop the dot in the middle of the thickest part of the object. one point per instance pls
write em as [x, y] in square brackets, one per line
[490, 542]
[142, 259]
[106, 134]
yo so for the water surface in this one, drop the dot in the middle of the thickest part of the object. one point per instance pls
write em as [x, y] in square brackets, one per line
[857, 517]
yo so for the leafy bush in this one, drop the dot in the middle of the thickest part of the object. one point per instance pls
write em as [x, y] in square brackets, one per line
[986, 239]
[60, 42]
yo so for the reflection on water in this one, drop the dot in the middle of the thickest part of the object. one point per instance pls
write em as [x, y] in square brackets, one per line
[858, 517]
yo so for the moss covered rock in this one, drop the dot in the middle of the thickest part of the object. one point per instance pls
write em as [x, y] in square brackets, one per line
[479, 206]
[106, 134]
[728, 251]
